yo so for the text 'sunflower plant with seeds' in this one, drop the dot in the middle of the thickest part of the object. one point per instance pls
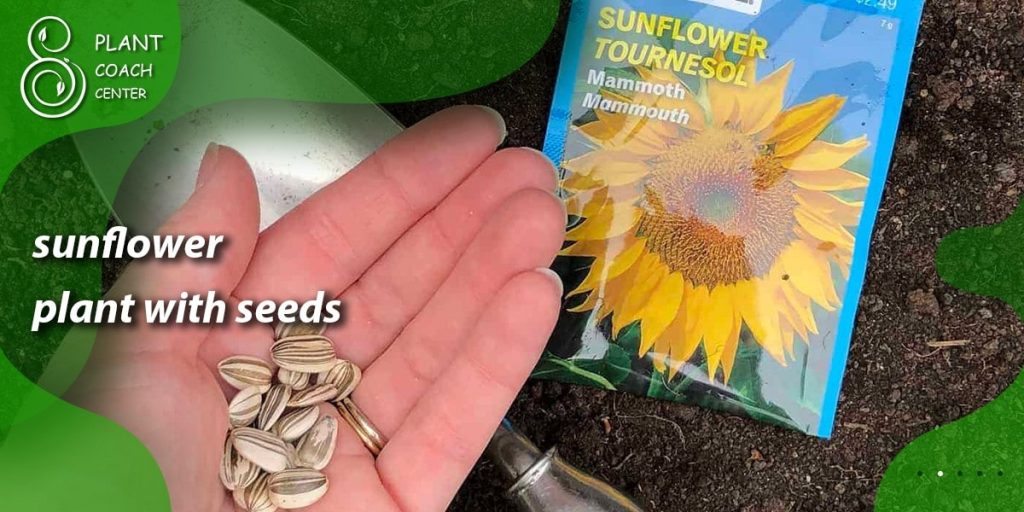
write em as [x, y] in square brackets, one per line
[722, 164]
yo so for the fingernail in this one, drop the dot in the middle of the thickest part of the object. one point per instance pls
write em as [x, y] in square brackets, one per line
[208, 165]
[554, 168]
[553, 276]
[500, 120]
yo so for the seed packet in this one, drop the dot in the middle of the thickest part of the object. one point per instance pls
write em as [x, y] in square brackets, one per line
[722, 162]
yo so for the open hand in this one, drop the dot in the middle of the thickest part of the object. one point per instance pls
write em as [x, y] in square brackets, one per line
[438, 246]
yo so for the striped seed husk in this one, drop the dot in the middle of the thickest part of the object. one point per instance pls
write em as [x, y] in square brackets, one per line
[273, 406]
[244, 407]
[310, 354]
[244, 371]
[283, 330]
[245, 472]
[256, 497]
[293, 456]
[293, 425]
[295, 380]
[316, 448]
[344, 375]
[314, 395]
[227, 466]
[262, 448]
[296, 488]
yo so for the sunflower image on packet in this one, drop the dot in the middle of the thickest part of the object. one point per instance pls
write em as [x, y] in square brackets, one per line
[722, 163]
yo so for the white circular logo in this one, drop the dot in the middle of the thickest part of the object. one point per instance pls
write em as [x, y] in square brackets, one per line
[51, 87]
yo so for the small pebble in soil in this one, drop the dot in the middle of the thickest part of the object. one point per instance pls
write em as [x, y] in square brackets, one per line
[923, 303]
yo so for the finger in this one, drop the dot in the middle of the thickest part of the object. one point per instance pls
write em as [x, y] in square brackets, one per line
[524, 234]
[226, 203]
[397, 286]
[426, 461]
[328, 241]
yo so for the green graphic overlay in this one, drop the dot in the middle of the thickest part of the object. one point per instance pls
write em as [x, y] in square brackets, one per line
[972, 464]
[62, 162]
[88, 36]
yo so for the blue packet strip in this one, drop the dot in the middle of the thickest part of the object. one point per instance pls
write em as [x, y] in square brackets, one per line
[909, 16]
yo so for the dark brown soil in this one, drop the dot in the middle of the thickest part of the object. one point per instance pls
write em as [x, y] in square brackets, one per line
[958, 163]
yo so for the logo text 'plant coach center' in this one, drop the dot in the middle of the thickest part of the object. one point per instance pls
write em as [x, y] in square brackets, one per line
[54, 86]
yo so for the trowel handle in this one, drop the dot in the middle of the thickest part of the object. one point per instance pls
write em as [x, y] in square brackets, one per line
[543, 482]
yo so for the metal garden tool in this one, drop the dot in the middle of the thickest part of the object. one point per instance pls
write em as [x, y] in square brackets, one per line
[543, 482]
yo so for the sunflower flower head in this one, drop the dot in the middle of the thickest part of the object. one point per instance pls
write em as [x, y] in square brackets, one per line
[730, 223]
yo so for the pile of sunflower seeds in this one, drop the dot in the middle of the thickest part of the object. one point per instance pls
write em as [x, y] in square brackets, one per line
[278, 442]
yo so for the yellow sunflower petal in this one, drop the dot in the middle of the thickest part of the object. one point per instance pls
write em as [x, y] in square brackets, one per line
[587, 248]
[686, 341]
[771, 297]
[580, 183]
[586, 203]
[791, 321]
[801, 305]
[719, 325]
[661, 352]
[829, 181]
[795, 128]
[583, 163]
[742, 94]
[811, 275]
[721, 97]
[844, 212]
[607, 171]
[614, 292]
[748, 65]
[661, 309]
[611, 221]
[765, 100]
[824, 156]
[614, 174]
[823, 229]
[648, 277]
[610, 265]
[732, 345]
[747, 302]
[587, 303]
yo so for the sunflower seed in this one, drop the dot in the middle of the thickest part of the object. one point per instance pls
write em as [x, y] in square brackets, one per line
[293, 456]
[295, 380]
[343, 375]
[317, 447]
[296, 488]
[291, 426]
[262, 448]
[283, 330]
[227, 466]
[273, 405]
[256, 497]
[244, 371]
[244, 407]
[314, 395]
[309, 354]
[245, 472]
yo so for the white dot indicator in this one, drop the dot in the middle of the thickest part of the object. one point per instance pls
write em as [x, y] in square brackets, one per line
[941, 473]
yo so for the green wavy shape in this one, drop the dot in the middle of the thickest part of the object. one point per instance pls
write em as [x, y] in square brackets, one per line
[979, 455]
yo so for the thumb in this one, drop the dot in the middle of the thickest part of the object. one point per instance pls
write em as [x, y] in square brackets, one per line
[225, 203]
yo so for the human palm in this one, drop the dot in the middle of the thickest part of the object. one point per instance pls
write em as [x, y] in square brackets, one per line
[437, 245]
